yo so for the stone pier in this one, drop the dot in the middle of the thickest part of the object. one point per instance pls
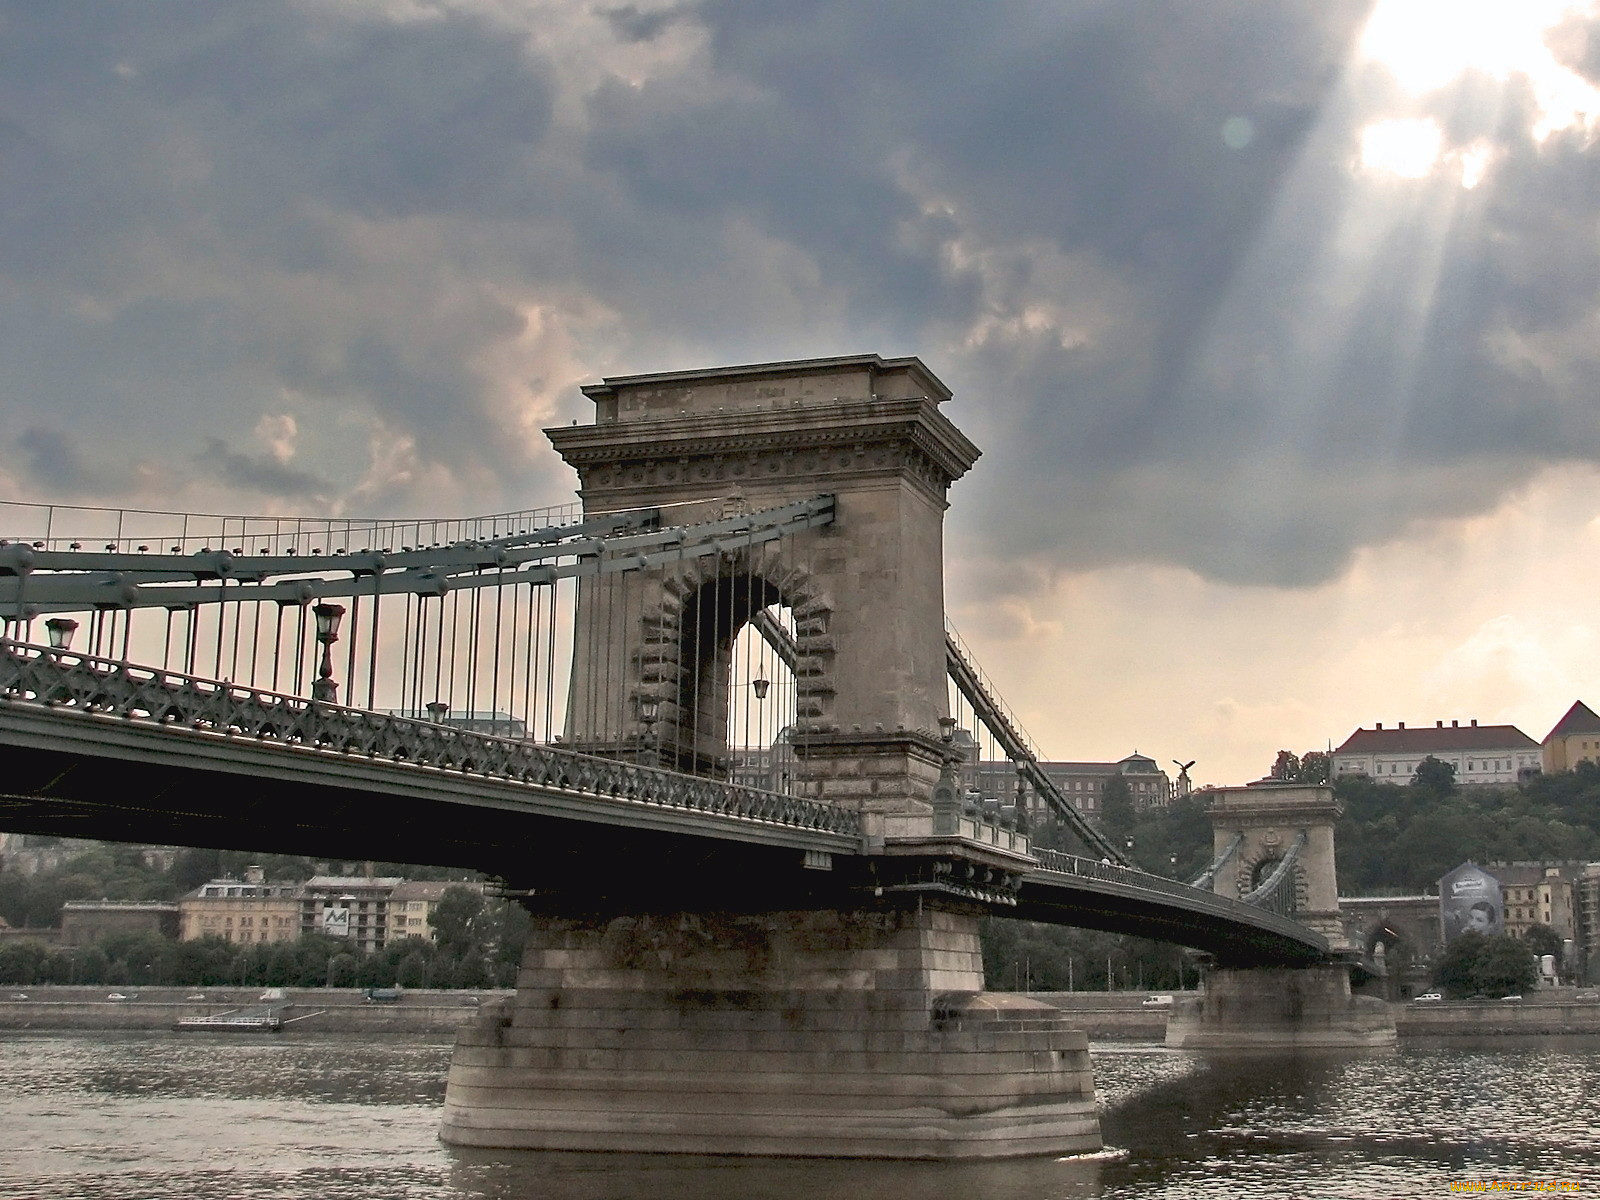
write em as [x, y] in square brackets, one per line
[1280, 1008]
[1256, 830]
[807, 1033]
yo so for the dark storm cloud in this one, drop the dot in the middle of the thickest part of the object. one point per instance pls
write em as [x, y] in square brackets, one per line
[53, 461]
[256, 473]
[1121, 229]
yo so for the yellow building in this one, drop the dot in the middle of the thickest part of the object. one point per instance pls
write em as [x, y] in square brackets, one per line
[247, 912]
[1575, 739]
[412, 902]
[1538, 894]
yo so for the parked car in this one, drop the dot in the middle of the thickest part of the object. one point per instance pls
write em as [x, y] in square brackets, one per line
[1514, 997]
[1156, 1002]
[195, 996]
[116, 996]
[1587, 996]
[1428, 998]
[272, 994]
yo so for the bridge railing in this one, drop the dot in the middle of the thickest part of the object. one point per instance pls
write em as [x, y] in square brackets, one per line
[38, 675]
[1270, 914]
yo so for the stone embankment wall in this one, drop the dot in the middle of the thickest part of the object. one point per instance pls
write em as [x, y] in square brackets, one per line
[307, 1010]
[1112, 1016]
[1476, 1018]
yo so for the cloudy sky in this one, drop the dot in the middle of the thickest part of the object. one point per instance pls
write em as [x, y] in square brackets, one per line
[1276, 319]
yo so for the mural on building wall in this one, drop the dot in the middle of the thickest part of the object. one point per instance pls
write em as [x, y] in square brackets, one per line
[1470, 898]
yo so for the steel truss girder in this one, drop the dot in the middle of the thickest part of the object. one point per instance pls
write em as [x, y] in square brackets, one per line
[76, 581]
[44, 678]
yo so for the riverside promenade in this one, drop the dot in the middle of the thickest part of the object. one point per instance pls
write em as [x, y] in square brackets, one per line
[1104, 1016]
[309, 1010]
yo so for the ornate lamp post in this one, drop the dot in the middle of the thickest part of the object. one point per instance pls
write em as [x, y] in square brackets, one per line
[61, 630]
[328, 617]
[649, 710]
[947, 792]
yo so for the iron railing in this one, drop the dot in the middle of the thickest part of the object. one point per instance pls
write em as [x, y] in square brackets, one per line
[1059, 863]
[37, 675]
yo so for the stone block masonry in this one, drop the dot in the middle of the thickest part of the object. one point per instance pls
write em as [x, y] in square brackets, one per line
[808, 1033]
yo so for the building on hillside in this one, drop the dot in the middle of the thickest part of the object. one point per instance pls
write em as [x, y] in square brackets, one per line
[1587, 888]
[1575, 739]
[246, 911]
[352, 906]
[413, 901]
[11, 933]
[1084, 783]
[85, 922]
[1479, 753]
[1539, 894]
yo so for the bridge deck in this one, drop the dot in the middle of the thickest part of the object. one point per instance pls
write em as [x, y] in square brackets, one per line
[96, 748]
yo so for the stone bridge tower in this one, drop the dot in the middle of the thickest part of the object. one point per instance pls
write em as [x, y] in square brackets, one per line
[1255, 829]
[1263, 823]
[866, 592]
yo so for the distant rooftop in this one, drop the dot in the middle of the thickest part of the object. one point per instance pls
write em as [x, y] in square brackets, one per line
[1580, 718]
[1436, 738]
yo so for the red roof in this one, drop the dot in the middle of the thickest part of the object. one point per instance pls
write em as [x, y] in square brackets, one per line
[1435, 739]
[1579, 719]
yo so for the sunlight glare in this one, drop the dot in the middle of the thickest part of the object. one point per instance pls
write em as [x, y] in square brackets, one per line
[1407, 148]
[1427, 44]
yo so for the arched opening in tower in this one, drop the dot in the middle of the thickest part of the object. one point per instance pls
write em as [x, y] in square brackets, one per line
[734, 706]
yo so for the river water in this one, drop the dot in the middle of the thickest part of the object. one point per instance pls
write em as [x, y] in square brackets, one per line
[117, 1116]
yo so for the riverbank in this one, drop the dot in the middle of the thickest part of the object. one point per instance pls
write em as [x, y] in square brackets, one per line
[310, 1010]
[1104, 1016]
[1122, 1016]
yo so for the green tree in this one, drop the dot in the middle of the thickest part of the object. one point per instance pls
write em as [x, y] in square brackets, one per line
[1286, 767]
[1477, 964]
[1117, 816]
[23, 962]
[1506, 965]
[458, 921]
[1434, 776]
[1316, 766]
[1543, 940]
[412, 970]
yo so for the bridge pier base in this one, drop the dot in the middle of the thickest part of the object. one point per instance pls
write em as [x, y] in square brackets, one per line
[852, 1034]
[1279, 1008]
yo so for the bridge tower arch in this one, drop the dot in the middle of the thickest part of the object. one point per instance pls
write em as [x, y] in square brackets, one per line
[867, 590]
[1265, 823]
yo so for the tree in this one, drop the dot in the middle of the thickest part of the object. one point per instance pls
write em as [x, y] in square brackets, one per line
[1477, 964]
[1435, 776]
[1543, 940]
[1116, 809]
[1507, 965]
[1316, 766]
[1286, 767]
[457, 921]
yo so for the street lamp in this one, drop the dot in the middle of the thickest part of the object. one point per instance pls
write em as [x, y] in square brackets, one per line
[61, 630]
[328, 617]
[649, 709]
[437, 711]
[760, 686]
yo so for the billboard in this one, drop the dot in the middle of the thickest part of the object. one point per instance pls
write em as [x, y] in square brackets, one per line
[336, 921]
[1470, 898]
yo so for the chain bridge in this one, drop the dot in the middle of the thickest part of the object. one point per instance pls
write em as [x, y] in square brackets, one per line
[704, 724]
